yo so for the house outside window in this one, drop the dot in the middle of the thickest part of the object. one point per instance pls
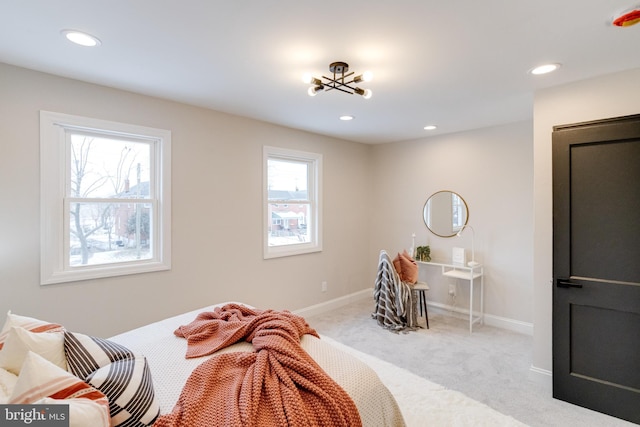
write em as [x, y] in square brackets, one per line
[292, 202]
[105, 198]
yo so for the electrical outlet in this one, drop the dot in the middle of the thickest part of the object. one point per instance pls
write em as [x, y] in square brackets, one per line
[452, 290]
[324, 287]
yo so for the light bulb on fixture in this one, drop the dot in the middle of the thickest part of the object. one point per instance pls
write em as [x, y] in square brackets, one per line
[309, 79]
[365, 93]
[367, 76]
[313, 90]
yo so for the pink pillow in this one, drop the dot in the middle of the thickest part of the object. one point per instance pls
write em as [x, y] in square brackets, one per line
[406, 267]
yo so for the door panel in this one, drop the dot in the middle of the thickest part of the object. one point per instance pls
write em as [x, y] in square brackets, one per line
[596, 265]
[608, 212]
[594, 327]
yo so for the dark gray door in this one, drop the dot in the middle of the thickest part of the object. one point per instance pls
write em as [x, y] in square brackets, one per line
[596, 265]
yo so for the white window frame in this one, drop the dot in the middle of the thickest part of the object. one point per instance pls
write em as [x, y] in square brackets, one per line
[54, 169]
[314, 194]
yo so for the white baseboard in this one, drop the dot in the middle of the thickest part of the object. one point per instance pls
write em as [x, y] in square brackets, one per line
[489, 319]
[323, 307]
[447, 310]
[510, 324]
[541, 376]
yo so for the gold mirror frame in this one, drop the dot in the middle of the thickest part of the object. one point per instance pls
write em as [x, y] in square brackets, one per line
[445, 213]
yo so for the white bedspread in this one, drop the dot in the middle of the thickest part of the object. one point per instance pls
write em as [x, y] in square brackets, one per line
[166, 356]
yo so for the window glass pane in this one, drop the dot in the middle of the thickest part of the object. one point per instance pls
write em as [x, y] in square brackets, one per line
[287, 179]
[106, 233]
[291, 202]
[458, 215]
[289, 223]
[104, 167]
[106, 190]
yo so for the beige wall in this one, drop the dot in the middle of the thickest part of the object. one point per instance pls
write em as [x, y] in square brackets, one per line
[492, 169]
[217, 173]
[216, 213]
[604, 97]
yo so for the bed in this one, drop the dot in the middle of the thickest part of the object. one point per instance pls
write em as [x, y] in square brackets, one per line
[137, 378]
[165, 353]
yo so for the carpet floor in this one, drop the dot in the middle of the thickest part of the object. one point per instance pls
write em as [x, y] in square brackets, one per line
[490, 366]
[424, 403]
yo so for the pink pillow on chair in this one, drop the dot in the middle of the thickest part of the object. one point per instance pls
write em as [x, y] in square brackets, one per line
[406, 267]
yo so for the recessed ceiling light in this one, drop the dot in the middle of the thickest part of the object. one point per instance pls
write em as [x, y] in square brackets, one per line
[83, 39]
[430, 127]
[346, 118]
[544, 69]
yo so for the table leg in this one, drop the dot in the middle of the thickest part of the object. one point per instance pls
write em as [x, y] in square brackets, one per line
[482, 299]
[471, 303]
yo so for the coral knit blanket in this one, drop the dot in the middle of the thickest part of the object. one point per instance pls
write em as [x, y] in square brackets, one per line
[277, 385]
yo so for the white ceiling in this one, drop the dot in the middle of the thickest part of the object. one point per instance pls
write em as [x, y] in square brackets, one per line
[457, 64]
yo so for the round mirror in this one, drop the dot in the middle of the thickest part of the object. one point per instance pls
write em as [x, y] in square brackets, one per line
[445, 213]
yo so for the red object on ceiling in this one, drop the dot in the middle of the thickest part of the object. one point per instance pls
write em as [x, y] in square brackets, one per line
[627, 19]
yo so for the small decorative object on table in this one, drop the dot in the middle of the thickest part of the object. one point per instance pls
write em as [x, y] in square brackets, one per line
[459, 256]
[423, 253]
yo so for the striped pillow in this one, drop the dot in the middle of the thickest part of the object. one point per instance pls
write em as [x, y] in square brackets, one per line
[28, 323]
[41, 381]
[122, 375]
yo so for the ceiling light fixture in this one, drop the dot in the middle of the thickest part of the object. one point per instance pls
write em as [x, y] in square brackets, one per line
[544, 69]
[80, 38]
[430, 127]
[340, 81]
[346, 118]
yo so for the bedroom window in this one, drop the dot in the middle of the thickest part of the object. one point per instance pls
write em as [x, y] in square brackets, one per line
[292, 202]
[105, 198]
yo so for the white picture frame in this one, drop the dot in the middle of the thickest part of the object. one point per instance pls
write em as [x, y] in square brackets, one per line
[459, 256]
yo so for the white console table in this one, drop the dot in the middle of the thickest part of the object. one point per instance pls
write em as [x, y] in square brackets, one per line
[459, 271]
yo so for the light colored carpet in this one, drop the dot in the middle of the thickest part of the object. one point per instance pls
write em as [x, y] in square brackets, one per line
[424, 403]
[490, 366]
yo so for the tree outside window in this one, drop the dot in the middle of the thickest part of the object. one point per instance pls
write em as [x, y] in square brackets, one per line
[102, 228]
[105, 197]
